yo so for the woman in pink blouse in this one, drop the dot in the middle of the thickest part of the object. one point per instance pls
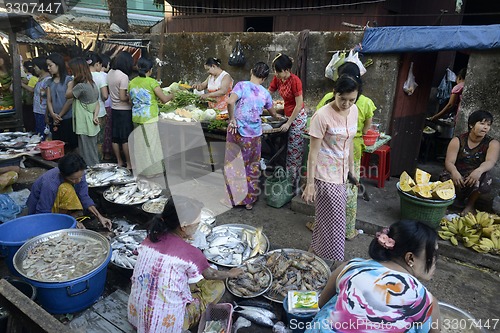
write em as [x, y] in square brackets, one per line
[333, 128]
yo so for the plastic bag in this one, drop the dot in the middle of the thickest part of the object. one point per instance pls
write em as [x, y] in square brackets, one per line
[8, 208]
[237, 57]
[354, 58]
[410, 85]
[452, 77]
[444, 90]
[278, 189]
[20, 197]
[331, 70]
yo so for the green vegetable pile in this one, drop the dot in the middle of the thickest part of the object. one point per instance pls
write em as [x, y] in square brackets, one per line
[185, 98]
[217, 125]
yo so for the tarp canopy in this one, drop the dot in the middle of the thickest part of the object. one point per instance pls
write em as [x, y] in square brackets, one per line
[430, 38]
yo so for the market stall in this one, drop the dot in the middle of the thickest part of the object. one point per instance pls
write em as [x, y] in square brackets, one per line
[11, 115]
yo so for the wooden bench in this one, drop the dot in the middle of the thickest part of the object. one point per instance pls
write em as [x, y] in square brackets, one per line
[26, 315]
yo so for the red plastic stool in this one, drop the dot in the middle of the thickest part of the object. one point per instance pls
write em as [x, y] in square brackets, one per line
[382, 169]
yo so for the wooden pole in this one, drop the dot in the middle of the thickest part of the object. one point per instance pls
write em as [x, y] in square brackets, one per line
[16, 79]
[163, 36]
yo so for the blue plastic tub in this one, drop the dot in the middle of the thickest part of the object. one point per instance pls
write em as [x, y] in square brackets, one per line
[72, 296]
[14, 233]
[297, 322]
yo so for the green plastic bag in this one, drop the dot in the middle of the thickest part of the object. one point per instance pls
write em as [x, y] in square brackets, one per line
[278, 189]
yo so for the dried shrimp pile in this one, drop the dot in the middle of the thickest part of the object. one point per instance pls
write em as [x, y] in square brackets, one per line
[255, 281]
[63, 259]
[293, 270]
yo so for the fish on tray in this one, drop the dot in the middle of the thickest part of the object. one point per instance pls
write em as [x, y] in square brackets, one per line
[125, 248]
[231, 246]
[132, 193]
[104, 177]
[254, 281]
[258, 315]
[293, 270]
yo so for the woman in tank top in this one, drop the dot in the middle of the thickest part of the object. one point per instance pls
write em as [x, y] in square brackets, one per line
[218, 85]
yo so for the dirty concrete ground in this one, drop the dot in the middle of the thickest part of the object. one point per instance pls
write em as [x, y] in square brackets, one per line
[461, 283]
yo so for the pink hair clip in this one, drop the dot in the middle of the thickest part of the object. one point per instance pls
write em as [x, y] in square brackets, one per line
[384, 240]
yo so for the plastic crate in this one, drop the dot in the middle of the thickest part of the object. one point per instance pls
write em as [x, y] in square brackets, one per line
[51, 150]
[221, 311]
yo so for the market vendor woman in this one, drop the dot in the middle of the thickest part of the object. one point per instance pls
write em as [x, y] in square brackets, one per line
[64, 190]
[172, 283]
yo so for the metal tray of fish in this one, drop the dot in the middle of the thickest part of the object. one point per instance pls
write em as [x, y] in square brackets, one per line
[104, 166]
[125, 246]
[106, 177]
[229, 245]
[293, 269]
[255, 281]
[61, 256]
[133, 193]
[155, 206]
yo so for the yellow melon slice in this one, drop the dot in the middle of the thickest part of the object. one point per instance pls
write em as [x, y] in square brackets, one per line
[422, 177]
[406, 182]
[422, 190]
[435, 184]
[444, 191]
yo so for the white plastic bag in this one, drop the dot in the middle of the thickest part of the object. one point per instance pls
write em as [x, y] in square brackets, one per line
[410, 85]
[452, 77]
[331, 70]
[354, 57]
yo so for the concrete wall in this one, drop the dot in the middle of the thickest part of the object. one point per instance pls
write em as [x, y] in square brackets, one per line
[185, 54]
[482, 92]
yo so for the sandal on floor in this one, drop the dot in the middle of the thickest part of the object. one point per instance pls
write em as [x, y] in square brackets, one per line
[310, 225]
[249, 206]
[356, 233]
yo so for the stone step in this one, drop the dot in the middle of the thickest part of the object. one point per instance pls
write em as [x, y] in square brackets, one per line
[300, 206]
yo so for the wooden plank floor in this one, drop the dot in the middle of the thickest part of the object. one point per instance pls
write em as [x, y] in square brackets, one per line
[106, 316]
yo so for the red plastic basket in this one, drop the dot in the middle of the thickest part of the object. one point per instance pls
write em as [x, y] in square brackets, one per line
[370, 137]
[51, 150]
[221, 311]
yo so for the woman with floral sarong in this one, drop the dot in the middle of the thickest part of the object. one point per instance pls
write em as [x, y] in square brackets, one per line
[245, 106]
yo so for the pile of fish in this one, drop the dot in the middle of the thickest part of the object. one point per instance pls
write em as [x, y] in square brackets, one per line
[293, 269]
[229, 245]
[12, 143]
[63, 258]
[255, 281]
[103, 177]
[133, 193]
[255, 311]
[125, 246]
[155, 206]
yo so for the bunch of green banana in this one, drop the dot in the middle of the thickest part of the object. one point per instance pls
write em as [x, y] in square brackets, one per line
[489, 245]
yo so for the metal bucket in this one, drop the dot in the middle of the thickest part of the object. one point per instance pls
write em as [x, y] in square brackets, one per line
[72, 295]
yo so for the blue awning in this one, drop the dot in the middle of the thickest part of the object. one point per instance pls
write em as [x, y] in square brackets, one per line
[430, 38]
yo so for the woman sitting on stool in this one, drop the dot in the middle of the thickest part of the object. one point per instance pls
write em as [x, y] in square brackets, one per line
[469, 158]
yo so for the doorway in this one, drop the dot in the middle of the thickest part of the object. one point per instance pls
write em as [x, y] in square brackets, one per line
[259, 24]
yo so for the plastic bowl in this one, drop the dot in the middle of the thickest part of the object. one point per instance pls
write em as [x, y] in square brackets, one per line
[14, 233]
